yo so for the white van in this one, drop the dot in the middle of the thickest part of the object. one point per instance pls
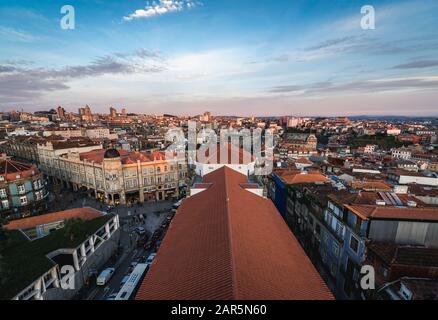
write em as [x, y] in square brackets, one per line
[104, 276]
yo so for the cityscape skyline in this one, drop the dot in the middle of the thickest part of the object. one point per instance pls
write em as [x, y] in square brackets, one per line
[250, 59]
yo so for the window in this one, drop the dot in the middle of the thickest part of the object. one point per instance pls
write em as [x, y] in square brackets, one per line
[354, 243]
[335, 249]
[333, 269]
[5, 204]
[23, 200]
[3, 193]
[318, 229]
[21, 189]
[39, 195]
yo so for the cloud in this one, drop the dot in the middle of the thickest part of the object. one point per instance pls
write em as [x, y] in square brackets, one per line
[379, 85]
[332, 43]
[160, 8]
[23, 82]
[12, 34]
[17, 87]
[417, 64]
[5, 68]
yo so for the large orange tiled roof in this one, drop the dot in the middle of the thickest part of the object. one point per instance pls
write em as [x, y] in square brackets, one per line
[9, 169]
[228, 243]
[126, 157]
[225, 151]
[31, 222]
[399, 213]
[296, 178]
[371, 185]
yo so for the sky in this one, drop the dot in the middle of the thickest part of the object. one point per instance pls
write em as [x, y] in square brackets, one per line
[230, 57]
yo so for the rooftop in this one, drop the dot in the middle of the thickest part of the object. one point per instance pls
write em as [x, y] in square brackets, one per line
[300, 177]
[19, 251]
[220, 246]
[9, 169]
[406, 255]
[399, 213]
[84, 214]
[126, 157]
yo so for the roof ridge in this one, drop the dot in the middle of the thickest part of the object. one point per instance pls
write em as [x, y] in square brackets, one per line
[230, 236]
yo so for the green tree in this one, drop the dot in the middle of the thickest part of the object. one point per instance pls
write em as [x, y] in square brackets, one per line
[3, 234]
[3, 241]
[73, 228]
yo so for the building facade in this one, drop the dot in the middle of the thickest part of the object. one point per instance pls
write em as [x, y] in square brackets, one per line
[23, 189]
[120, 177]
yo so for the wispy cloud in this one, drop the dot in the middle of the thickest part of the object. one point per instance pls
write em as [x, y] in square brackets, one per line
[20, 82]
[12, 34]
[332, 43]
[380, 85]
[417, 64]
[162, 7]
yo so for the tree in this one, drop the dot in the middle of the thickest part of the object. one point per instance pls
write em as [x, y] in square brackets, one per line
[73, 228]
[3, 234]
[3, 241]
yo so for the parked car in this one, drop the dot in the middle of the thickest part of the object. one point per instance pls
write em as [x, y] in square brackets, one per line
[132, 265]
[105, 276]
[140, 231]
[177, 204]
[164, 225]
[148, 245]
[125, 278]
[151, 258]
[112, 296]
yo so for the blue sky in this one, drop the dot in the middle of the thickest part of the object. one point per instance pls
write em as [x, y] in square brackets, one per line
[302, 57]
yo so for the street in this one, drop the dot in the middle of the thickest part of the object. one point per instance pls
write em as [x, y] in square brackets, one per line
[149, 215]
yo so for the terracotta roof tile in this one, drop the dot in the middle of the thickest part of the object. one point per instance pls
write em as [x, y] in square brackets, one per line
[296, 178]
[228, 243]
[31, 222]
[399, 213]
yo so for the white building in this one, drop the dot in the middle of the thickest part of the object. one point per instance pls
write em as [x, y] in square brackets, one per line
[66, 133]
[393, 131]
[100, 133]
[407, 177]
[401, 153]
[92, 253]
[234, 158]
[370, 148]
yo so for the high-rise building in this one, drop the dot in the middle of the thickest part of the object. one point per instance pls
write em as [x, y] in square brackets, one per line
[293, 122]
[85, 113]
[113, 112]
[60, 112]
[205, 117]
